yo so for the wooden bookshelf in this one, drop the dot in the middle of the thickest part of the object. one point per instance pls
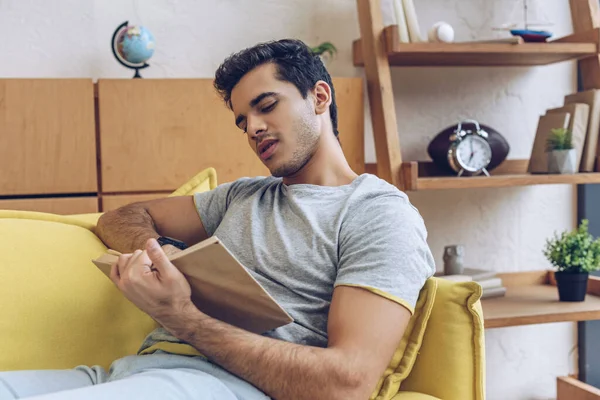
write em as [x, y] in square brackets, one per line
[532, 298]
[427, 176]
[574, 47]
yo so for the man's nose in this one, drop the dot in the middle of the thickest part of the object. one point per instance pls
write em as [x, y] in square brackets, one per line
[255, 125]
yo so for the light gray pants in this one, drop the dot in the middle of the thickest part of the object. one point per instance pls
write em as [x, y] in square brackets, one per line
[154, 376]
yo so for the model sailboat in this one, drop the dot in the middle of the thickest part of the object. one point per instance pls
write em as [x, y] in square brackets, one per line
[527, 8]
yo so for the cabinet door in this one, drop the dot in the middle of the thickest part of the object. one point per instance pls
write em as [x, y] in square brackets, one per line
[112, 202]
[155, 134]
[47, 136]
[62, 205]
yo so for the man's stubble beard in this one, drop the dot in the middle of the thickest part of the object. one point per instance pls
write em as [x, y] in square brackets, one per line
[308, 140]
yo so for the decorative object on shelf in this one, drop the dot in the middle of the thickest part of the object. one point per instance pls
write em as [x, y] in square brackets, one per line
[441, 32]
[468, 148]
[528, 35]
[132, 46]
[575, 254]
[453, 259]
[562, 157]
[325, 50]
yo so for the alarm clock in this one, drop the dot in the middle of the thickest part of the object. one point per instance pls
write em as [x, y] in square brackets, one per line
[446, 147]
[469, 150]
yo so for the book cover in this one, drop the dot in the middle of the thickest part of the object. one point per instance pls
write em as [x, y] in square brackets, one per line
[590, 149]
[412, 22]
[221, 286]
[403, 35]
[578, 124]
[538, 161]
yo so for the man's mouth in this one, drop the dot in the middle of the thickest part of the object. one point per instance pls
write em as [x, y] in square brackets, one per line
[267, 149]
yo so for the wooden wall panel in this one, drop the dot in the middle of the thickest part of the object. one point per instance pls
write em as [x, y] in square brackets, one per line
[157, 133]
[112, 202]
[47, 136]
[59, 205]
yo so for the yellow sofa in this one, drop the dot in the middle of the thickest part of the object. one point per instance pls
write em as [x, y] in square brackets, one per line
[59, 311]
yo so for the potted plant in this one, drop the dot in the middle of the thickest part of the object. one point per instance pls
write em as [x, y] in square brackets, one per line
[325, 50]
[575, 254]
[562, 157]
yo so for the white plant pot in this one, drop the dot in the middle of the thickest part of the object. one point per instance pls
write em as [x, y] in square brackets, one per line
[562, 161]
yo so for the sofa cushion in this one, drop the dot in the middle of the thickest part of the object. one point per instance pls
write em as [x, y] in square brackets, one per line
[58, 309]
[204, 181]
[406, 353]
[451, 361]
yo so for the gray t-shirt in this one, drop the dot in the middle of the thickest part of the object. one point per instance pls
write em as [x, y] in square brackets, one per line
[301, 241]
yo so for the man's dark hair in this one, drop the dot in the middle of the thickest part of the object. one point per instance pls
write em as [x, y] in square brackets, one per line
[295, 62]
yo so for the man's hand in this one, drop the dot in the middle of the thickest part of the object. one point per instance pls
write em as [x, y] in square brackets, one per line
[150, 281]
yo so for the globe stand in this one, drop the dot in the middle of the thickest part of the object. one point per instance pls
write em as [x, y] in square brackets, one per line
[120, 59]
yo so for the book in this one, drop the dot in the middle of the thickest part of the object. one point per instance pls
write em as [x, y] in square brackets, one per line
[538, 162]
[578, 125]
[493, 292]
[479, 274]
[591, 148]
[403, 36]
[221, 286]
[490, 283]
[414, 30]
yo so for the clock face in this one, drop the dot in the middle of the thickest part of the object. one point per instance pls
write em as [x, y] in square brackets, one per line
[473, 153]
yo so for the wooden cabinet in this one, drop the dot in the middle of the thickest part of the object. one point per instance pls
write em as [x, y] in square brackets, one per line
[47, 136]
[157, 134]
[57, 205]
[112, 202]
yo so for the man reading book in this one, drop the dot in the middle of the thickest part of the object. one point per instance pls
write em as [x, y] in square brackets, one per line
[344, 254]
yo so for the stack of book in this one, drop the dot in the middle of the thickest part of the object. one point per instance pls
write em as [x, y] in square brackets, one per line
[488, 280]
[580, 114]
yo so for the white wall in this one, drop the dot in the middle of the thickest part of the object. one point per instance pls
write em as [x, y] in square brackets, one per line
[503, 229]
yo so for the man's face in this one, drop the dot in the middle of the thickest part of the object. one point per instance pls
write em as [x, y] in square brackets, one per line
[281, 126]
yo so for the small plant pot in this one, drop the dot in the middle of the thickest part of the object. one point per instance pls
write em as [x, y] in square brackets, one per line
[562, 161]
[572, 286]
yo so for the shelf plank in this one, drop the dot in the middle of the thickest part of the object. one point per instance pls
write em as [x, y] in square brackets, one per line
[479, 54]
[425, 176]
[536, 302]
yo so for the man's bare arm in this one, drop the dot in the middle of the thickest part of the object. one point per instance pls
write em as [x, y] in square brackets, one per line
[128, 228]
[364, 330]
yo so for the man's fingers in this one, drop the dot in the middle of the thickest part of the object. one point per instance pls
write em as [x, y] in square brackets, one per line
[122, 263]
[159, 259]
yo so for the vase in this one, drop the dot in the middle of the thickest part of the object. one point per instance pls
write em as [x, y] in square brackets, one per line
[562, 161]
[572, 286]
[453, 259]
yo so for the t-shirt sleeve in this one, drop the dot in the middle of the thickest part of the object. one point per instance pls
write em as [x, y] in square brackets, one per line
[212, 205]
[383, 248]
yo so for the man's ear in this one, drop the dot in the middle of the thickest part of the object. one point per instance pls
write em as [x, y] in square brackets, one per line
[322, 97]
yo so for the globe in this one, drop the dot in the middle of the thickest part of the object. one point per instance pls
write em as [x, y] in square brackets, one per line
[133, 46]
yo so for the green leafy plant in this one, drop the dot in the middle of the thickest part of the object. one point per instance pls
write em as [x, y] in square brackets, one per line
[574, 251]
[560, 139]
[325, 48]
